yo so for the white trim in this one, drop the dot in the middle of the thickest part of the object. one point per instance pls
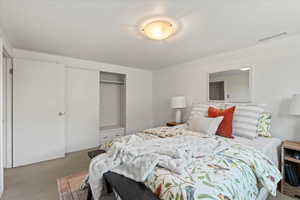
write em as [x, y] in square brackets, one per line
[8, 118]
[251, 84]
[225, 90]
[1, 117]
[66, 111]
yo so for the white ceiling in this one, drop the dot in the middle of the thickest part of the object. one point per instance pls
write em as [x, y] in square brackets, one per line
[107, 30]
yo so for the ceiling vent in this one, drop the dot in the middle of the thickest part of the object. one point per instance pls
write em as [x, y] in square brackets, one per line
[272, 37]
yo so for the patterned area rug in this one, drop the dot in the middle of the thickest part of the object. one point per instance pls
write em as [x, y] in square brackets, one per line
[69, 187]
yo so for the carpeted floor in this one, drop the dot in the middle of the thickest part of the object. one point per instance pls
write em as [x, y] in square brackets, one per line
[38, 181]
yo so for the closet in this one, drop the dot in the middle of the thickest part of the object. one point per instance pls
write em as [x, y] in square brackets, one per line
[59, 109]
[95, 108]
[112, 105]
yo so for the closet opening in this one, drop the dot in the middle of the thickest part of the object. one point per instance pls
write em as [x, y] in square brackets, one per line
[112, 105]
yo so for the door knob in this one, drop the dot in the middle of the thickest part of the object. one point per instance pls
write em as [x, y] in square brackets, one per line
[61, 113]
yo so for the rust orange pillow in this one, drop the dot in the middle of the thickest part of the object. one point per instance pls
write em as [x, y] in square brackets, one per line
[225, 128]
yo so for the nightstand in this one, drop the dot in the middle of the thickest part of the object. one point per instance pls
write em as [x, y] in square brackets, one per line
[287, 150]
[170, 124]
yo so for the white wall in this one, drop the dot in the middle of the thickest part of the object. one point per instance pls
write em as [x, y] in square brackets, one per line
[138, 90]
[276, 69]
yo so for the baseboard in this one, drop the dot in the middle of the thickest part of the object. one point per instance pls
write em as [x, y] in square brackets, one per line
[37, 160]
[1, 183]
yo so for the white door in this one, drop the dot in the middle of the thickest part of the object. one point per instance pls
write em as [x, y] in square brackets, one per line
[82, 106]
[38, 107]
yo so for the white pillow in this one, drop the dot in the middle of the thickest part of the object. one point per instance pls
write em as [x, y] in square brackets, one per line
[199, 108]
[202, 124]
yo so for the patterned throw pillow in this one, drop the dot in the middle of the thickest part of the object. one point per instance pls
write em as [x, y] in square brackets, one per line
[264, 124]
[165, 131]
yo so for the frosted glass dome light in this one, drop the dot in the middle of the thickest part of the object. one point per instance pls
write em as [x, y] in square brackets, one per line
[158, 30]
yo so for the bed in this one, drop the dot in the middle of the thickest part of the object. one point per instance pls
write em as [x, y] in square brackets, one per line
[181, 164]
[123, 186]
[268, 146]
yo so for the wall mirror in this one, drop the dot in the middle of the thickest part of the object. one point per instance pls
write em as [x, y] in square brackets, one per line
[230, 86]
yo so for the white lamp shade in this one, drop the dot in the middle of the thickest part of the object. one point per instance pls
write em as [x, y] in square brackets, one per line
[178, 102]
[295, 105]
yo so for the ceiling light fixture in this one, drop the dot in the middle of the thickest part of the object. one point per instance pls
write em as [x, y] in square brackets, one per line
[245, 69]
[158, 30]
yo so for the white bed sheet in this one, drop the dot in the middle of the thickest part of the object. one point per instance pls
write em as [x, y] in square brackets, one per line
[270, 147]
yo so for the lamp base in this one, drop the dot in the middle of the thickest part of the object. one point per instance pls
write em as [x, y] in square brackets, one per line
[178, 116]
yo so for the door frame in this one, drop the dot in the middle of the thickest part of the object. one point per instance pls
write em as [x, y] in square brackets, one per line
[225, 91]
[8, 115]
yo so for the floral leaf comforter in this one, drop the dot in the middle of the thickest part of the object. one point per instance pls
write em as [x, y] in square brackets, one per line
[217, 169]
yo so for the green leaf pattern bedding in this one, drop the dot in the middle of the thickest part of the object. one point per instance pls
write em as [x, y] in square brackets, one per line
[235, 172]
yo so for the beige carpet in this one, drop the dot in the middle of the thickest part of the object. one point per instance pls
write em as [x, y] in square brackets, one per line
[38, 181]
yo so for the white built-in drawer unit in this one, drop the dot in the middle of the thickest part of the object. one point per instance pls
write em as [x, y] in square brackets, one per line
[108, 134]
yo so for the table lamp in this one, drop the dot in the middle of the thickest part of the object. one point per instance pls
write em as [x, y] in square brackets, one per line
[178, 103]
[295, 105]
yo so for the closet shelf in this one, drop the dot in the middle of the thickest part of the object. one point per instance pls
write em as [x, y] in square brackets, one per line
[111, 127]
[112, 82]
